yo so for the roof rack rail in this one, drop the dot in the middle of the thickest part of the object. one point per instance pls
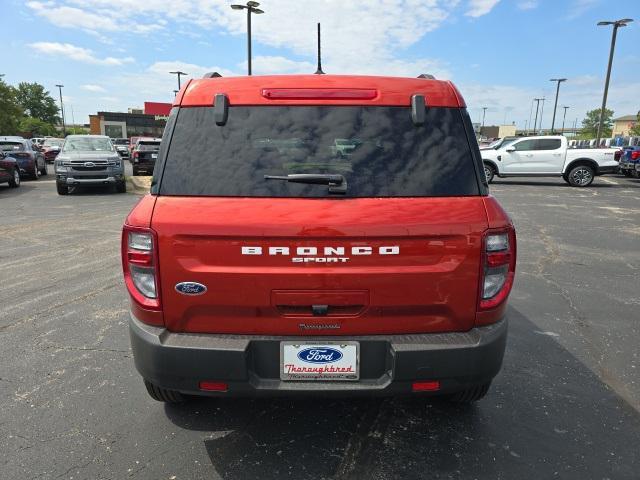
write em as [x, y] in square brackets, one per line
[428, 76]
[211, 75]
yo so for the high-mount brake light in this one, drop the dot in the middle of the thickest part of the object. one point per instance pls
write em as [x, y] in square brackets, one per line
[140, 265]
[320, 93]
[498, 268]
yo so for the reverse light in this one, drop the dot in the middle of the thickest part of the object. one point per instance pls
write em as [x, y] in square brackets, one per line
[498, 268]
[140, 266]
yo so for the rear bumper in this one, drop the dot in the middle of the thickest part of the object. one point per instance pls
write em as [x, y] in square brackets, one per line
[389, 364]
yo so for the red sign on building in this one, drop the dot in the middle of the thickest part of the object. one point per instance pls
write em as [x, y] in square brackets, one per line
[157, 108]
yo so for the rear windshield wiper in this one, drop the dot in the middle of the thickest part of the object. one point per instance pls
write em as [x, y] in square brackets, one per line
[337, 183]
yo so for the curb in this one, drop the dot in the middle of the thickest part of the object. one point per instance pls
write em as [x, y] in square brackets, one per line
[138, 185]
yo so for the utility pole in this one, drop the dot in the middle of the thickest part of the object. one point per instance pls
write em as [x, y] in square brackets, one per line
[564, 118]
[541, 114]
[484, 112]
[616, 24]
[64, 128]
[530, 114]
[555, 105]
[535, 122]
[73, 120]
[250, 7]
[179, 74]
[319, 70]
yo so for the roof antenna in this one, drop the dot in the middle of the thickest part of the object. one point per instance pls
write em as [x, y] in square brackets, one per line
[319, 70]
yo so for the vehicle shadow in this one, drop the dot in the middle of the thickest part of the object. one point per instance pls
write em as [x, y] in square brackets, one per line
[25, 187]
[546, 415]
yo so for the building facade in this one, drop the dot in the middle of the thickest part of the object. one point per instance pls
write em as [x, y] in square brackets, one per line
[622, 125]
[148, 123]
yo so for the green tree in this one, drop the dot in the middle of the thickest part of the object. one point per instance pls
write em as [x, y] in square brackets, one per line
[590, 123]
[37, 102]
[10, 109]
[36, 127]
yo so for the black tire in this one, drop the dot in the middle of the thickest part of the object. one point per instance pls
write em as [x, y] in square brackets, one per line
[581, 176]
[489, 172]
[162, 394]
[136, 172]
[15, 182]
[470, 395]
[635, 174]
[121, 187]
[626, 173]
[62, 189]
[35, 175]
[44, 172]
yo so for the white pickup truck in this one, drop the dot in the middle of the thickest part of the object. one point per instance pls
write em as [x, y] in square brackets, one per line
[548, 156]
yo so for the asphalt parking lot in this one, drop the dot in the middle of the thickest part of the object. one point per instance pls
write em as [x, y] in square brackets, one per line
[566, 404]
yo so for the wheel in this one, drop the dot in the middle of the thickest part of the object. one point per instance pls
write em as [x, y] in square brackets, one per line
[121, 187]
[62, 189]
[36, 172]
[136, 172]
[626, 173]
[162, 394]
[15, 181]
[566, 178]
[44, 172]
[635, 174]
[489, 172]
[470, 395]
[581, 176]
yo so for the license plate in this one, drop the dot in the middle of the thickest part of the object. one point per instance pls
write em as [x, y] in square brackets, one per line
[329, 361]
[154, 155]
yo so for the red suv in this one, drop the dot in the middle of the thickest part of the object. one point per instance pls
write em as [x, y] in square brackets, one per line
[318, 234]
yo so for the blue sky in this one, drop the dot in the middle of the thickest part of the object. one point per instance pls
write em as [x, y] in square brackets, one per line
[115, 54]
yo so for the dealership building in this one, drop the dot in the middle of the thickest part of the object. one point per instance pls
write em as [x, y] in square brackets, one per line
[147, 122]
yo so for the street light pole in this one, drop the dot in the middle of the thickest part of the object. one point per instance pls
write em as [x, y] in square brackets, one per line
[250, 7]
[564, 117]
[484, 112]
[179, 74]
[64, 128]
[555, 106]
[541, 114]
[616, 24]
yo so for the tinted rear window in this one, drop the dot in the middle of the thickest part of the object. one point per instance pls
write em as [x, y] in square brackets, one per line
[378, 150]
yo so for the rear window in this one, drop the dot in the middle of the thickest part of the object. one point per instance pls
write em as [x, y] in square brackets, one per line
[145, 146]
[378, 150]
[11, 146]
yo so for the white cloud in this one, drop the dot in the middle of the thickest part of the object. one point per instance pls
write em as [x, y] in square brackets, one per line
[79, 54]
[528, 4]
[578, 7]
[92, 88]
[478, 8]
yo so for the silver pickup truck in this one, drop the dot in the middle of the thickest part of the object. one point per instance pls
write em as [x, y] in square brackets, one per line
[548, 156]
[89, 160]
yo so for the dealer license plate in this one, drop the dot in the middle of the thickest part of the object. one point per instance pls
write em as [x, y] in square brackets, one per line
[329, 361]
[154, 155]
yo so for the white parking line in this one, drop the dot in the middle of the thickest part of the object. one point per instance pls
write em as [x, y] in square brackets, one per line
[608, 180]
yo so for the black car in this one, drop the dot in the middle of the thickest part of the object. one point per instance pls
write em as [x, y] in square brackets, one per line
[31, 161]
[9, 170]
[145, 154]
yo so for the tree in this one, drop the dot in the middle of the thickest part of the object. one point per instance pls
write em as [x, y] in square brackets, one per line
[590, 123]
[37, 102]
[36, 127]
[10, 110]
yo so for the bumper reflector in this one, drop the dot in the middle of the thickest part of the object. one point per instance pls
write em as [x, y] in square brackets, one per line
[213, 386]
[426, 386]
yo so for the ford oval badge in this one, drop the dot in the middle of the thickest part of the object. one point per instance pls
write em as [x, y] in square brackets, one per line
[319, 355]
[190, 288]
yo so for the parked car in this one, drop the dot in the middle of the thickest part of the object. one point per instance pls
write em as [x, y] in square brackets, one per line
[88, 160]
[30, 160]
[145, 154]
[132, 144]
[9, 170]
[548, 156]
[387, 278]
[499, 143]
[51, 148]
[629, 160]
[122, 146]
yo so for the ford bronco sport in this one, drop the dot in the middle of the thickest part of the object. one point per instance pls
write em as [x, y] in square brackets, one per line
[265, 261]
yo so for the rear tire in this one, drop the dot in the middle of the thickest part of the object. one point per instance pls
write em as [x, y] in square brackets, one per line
[44, 172]
[62, 189]
[15, 182]
[36, 172]
[121, 187]
[581, 176]
[470, 395]
[135, 172]
[162, 394]
[489, 172]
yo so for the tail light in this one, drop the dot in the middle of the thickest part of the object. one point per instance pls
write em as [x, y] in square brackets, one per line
[498, 268]
[135, 156]
[140, 266]
[635, 155]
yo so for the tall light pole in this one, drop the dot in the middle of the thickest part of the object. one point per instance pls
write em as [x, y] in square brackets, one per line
[541, 114]
[616, 24]
[484, 112]
[179, 74]
[555, 105]
[250, 7]
[64, 128]
[535, 122]
[175, 92]
[564, 117]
